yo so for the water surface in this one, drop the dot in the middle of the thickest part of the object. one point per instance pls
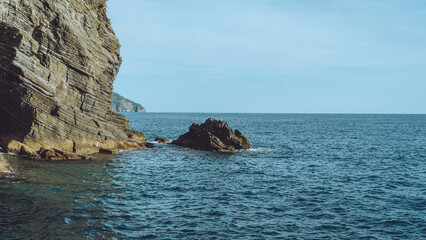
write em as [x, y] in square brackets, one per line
[308, 177]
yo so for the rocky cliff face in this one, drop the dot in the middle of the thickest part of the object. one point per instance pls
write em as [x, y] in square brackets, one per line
[58, 62]
[122, 104]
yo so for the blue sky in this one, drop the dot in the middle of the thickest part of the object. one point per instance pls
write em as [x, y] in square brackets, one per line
[274, 56]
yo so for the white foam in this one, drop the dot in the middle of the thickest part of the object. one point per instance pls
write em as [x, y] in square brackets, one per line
[156, 142]
[259, 149]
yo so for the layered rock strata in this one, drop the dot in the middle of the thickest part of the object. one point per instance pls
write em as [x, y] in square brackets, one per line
[213, 135]
[58, 62]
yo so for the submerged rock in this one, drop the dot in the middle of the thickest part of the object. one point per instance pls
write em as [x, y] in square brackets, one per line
[58, 62]
[162, 140]
[213, 135]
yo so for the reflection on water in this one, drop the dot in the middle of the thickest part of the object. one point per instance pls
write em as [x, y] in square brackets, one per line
[44, 199]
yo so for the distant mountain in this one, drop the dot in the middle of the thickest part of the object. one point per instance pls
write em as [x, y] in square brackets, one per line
[122, 104]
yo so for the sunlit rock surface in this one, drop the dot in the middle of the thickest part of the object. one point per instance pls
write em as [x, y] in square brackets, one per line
[58, 62]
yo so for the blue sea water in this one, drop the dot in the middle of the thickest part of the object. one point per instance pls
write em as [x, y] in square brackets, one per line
[308, 176]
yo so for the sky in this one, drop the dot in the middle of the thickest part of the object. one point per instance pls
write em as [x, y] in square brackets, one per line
[272, 56]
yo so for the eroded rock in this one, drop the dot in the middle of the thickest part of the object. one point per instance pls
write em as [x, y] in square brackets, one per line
[58, 62]
[55, 155]
[21, 149]
[213, 135]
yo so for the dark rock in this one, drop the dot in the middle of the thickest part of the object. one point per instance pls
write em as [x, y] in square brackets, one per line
[106, 151]
[213, 135]
[50, 154]
[149, 145]
[58, 62]
[162, 140]
[2, 149]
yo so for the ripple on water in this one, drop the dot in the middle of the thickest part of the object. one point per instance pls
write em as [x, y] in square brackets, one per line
[307, 177]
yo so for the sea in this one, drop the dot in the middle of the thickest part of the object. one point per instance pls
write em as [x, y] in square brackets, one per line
[308, 176]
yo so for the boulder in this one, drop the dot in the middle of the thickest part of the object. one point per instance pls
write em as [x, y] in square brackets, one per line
[21, 149]
[55, 155]
[213, 135]
[162, 140]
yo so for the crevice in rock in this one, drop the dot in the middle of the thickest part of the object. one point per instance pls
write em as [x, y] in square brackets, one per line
[96, 123]
[83, 99]
[75, 118]
[74, 148]
[55, 111]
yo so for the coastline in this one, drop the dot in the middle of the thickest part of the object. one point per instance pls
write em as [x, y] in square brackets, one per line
[305, 165]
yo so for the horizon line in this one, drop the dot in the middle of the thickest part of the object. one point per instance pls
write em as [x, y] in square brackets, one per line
[317, 113]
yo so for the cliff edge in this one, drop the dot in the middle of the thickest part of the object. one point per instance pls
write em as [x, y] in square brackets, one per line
[58, 62]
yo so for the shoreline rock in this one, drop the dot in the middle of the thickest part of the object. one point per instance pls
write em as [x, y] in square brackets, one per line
[213, 135]
[18, 148]
[162, 140]
[58, 64]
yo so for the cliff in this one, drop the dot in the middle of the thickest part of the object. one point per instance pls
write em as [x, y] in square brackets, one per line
[122, 104]
[58, 62]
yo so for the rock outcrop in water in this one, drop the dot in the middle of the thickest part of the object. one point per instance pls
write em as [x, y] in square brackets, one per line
[213, 135]
[58, 62]
[122, 104]
[162, 140]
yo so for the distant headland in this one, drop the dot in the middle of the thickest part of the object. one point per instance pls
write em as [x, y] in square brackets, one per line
[122, 104]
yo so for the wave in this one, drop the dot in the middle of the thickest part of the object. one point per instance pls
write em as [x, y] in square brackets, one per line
[258, 149]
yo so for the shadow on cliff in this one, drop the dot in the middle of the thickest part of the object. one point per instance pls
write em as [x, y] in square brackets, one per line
[16, 117]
